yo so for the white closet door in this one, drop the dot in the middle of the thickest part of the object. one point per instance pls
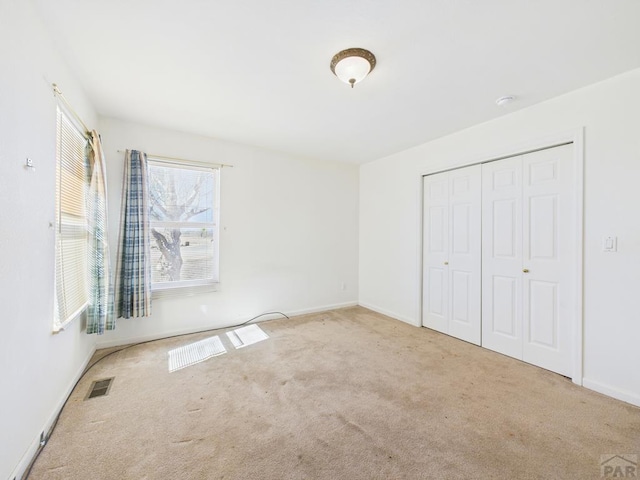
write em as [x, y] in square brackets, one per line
[548, 226]
[502, 256]
[465, 253]
[452, 256]
[435, 289]
[527, 285]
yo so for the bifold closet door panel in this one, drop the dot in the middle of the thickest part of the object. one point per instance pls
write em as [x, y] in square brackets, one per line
[451, 251]
[502, 256]
[465, 260]
[548, 226]
[435, 238]
[528, 227]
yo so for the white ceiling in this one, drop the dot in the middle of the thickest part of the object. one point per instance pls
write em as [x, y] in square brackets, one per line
[257, 72]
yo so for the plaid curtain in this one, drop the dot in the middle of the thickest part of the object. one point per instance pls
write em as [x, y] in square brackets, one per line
[133, 272]
[100, 310]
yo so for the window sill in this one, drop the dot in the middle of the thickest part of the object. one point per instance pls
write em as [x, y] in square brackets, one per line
[59, 327]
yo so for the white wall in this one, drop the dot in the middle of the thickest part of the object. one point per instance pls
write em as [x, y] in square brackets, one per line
[37, 368]
[610, 114]
[289, 235]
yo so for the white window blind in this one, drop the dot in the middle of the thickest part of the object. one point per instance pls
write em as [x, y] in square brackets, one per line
[71, 222]
[184, 207]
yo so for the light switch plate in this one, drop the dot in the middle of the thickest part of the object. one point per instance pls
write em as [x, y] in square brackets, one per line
[610, 243]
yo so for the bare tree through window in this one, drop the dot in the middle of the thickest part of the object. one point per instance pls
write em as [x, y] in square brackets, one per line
[183, 222]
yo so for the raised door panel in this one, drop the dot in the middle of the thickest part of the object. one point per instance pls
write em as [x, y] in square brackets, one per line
[437, 231]
[505, 304]
[436, 305]
[542, 314]
[460, 297]
[461, 218]
[543, 234]
[504, 220]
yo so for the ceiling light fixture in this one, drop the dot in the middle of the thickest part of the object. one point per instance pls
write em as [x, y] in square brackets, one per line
[502, 101]
[353, 65]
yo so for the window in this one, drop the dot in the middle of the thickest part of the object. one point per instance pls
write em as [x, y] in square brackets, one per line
[71, 294]
[184, 224]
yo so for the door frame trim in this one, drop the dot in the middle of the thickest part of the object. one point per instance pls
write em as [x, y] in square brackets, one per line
[575, 137]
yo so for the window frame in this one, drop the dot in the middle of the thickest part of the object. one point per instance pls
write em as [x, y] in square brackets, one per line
[66, 125]
[190, 287]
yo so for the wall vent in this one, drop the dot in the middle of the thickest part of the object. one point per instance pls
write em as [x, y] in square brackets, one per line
[99, 388]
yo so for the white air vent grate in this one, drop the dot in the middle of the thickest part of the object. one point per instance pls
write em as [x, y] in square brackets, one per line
[195, 353]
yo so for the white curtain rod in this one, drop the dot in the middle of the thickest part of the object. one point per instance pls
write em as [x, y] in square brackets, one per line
[58, 94]
[183, 160]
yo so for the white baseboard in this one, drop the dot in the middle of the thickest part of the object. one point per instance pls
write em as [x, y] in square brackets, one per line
[388, 313]
[186, 331]
[324, 308]
[154, 336]
[625, 396]
[26, 459]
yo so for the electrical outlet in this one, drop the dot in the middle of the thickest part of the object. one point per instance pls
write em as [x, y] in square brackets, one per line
[343, 286]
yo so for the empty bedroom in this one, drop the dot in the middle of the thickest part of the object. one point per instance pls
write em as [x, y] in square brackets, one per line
[319, 240]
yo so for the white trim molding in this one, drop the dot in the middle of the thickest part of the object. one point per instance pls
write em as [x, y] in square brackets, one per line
[610, 391]
[207, 328]
[388, 313]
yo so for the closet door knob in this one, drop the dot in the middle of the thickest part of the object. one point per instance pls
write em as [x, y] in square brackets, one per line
[446, 263]
[525, 270]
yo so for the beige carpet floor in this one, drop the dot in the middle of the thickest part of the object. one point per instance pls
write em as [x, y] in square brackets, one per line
[347, 394]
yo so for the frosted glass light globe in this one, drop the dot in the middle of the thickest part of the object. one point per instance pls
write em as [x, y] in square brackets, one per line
[352, 69]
